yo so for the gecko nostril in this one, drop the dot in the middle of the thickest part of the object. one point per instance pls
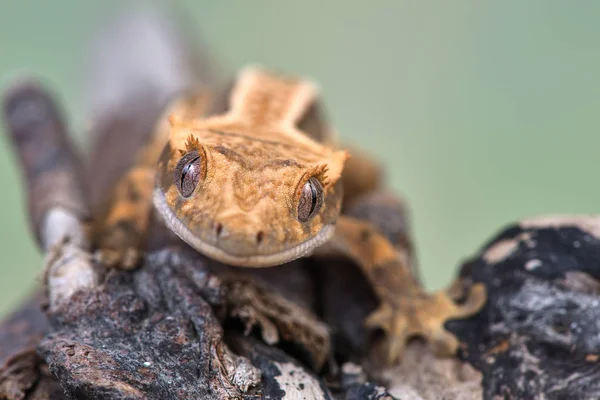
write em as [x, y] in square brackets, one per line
[259, 237]
[219, 229]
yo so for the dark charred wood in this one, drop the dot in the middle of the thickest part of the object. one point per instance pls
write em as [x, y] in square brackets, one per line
[538, 334]
[23, 328]
[23, 373]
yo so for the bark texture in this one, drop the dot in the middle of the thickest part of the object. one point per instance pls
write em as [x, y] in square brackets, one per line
[538, 334]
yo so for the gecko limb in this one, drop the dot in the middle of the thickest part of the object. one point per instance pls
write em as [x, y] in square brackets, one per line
[405, 310]
[122, 231]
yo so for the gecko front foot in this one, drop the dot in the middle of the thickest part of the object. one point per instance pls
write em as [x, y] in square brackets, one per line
[126, 259]
[423, 315]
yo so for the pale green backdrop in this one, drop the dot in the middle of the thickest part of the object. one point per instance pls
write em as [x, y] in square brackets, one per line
[484, 112]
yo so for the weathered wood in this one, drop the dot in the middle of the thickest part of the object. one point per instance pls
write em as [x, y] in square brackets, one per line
[537, 337]
[22, 371]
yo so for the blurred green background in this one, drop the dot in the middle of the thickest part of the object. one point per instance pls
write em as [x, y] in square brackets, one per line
[483, 112]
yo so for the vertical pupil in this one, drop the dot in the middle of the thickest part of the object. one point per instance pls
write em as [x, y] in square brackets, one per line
[185, 171]
[313, 192]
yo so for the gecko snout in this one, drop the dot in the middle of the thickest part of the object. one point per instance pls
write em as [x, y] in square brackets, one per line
[260, 235]
[235, 235]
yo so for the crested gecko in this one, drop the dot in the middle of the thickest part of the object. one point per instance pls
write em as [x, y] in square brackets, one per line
[248, 187]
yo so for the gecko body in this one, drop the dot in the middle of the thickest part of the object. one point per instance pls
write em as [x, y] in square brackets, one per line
[261, 184]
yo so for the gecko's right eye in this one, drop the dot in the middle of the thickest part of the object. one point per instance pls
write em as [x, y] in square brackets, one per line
[187, 173]
[311, 199]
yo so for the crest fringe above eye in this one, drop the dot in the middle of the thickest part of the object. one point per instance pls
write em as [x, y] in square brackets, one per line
[192, 143]
[320, 172]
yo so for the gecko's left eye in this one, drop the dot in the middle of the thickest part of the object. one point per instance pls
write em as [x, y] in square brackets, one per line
[187, 173]
[311, 199]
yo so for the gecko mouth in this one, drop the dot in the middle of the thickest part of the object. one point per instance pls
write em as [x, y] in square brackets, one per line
[258, 260]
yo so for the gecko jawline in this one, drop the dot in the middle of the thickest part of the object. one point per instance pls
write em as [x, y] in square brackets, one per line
[259, 260]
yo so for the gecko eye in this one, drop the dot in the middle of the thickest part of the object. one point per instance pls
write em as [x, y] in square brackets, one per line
[311, 199]
[187, 173]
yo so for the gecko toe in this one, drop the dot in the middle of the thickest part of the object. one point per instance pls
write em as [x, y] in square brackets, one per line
[424, 315]
[126, 259]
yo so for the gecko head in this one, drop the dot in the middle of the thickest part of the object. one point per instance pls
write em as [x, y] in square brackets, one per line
[246, 199]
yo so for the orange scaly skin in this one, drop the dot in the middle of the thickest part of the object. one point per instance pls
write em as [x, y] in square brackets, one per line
[255, 164]
[120, 233]
[251, 168]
